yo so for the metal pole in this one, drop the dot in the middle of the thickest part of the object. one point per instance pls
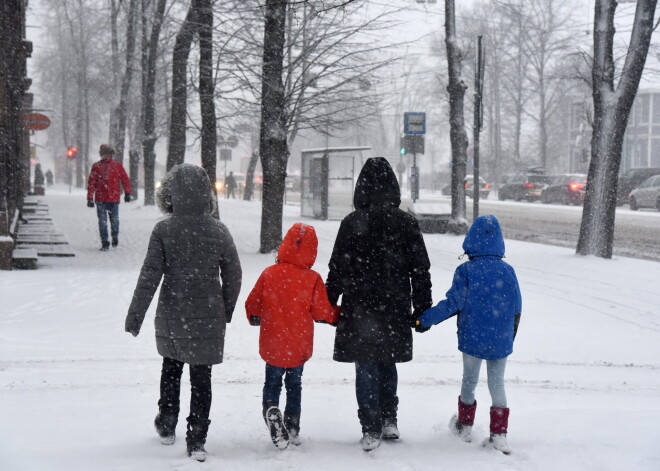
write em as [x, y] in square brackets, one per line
[478, 76]
[415, 179]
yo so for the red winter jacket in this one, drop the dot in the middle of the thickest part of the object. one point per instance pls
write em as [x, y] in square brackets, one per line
[104, 179]
[288, 297]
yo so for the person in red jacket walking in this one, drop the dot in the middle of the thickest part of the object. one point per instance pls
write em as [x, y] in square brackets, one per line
[104, 186]
[286, 300]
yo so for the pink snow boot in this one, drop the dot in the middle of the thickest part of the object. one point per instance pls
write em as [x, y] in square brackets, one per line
[499, 422]
[461, 423]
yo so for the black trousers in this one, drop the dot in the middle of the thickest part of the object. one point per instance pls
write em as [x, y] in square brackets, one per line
[170, 389]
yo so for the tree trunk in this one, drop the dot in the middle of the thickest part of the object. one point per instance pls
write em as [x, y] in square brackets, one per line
[249, 177]
[611, 111]
[119, 134]
[457, 135]
[273, 134]
[177, 146]
[207, 88]
[148, 106]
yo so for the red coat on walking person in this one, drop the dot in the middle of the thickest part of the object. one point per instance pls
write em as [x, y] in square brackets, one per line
[104, 181]
[288, 297]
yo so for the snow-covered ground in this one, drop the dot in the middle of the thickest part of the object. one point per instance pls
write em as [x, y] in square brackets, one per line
[77, 393]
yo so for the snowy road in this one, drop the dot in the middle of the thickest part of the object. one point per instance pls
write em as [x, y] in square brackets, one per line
[77, 393]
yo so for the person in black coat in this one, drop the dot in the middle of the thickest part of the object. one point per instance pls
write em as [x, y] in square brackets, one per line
[380, 267]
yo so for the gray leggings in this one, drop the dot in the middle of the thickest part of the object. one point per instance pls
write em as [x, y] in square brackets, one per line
[495, 369]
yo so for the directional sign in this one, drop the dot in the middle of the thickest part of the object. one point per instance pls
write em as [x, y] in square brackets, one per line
[225, 154]
[414, 123]
[36, 121]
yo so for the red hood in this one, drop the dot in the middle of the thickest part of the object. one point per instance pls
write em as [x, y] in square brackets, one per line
[299, 246]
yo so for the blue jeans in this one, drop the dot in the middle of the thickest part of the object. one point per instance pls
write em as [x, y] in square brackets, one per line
[495, 369]
[375, 384]
[103, 210]
[292, 382]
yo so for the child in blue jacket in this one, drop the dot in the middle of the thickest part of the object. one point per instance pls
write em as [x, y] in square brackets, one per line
[486, 297]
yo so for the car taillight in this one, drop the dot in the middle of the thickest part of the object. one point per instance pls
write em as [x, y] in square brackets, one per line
[529, 185]
[576, 186]
[486, 186]
[467, 185]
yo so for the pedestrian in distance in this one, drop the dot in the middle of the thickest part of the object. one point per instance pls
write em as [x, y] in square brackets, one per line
[49, 177]
[191, 251]
[379, 266]
[286, 301]
[486, 298]
[106, 180]
[230, 185]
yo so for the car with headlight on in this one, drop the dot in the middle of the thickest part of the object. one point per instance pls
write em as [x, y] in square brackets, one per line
[523, 186]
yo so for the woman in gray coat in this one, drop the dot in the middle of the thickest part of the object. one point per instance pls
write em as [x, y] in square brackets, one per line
[188, 250]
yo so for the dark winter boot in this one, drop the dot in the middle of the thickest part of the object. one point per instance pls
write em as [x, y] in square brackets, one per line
[461, 423]
[388, 409]
[115, 242]
[165, 424]
[196, 438]
[105, 246]
[370, 419]
[278, 432]
[499, 423]
[292, 426]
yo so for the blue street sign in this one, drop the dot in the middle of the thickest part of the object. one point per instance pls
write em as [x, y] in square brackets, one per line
[414, 123]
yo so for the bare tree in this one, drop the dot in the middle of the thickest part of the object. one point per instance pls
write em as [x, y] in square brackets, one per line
[273, 147]
[456, 90]
[148, 105]
[612, 106]
[118, 133]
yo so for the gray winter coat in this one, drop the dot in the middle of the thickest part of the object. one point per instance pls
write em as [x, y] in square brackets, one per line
[188, 249]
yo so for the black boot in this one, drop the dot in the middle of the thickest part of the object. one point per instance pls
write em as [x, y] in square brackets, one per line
[115, 241]
[370, 419]
[196, 438]
[105, 245]
[388, 409]
[165, 424]
[292, 425]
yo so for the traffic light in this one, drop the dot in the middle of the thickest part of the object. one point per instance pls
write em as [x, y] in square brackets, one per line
[71, 152]
[402, 151]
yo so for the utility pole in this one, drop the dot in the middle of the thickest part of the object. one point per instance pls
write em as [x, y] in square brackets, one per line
[478, 118]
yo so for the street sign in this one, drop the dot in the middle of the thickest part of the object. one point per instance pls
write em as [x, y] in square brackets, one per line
[225, 154]
[231, 141]
[36, 121]
[414, 123]
[413, 144]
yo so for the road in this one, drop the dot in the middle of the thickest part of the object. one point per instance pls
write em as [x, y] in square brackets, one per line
[637, 233]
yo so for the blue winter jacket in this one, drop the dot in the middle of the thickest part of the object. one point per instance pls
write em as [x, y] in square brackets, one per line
[485, 295]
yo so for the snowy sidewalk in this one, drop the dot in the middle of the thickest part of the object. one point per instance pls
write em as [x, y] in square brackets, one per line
[78, 393]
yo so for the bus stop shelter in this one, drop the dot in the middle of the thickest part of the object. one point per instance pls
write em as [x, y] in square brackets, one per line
[327, 180]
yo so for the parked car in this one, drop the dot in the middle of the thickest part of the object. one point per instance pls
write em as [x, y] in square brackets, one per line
[484, 188]
[565, 189]
[631, 179]
[523, 187]
[647, 195]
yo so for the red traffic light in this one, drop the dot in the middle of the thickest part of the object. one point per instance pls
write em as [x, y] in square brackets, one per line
[71, 152]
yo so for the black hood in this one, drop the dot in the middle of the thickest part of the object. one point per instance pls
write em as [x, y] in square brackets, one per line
[377, 185]
[186, 190]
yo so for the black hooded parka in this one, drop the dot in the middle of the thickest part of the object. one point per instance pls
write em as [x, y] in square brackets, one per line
[379, 266]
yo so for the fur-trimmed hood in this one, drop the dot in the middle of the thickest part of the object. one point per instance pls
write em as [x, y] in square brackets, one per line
[186, 190]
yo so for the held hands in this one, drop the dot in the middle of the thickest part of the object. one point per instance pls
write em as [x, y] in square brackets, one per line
[127, 197]
[255, 321]
[416, 324]
[90, 204]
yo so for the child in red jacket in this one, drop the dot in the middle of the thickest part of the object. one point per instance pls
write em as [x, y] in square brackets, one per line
[288, 297]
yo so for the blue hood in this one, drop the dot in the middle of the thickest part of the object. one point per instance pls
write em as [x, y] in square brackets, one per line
[484, 238]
